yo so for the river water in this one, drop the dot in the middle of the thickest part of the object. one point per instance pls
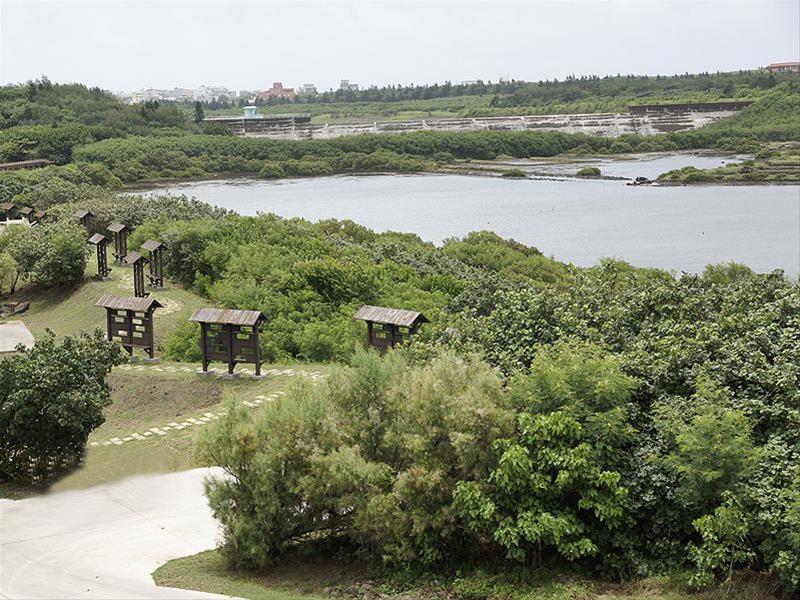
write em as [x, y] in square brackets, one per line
[579, 221]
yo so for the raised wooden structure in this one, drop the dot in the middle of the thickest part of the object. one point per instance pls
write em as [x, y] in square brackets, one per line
[39, 216]
[84, 217]
[137, 261]
[229, 336]
[130, 320]
[100, 242]
[120, 232]
[9, 210]
[388, 327]
[156, 274]
[27, 213]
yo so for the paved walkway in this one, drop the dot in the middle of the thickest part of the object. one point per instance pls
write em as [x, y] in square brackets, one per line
[105, 541]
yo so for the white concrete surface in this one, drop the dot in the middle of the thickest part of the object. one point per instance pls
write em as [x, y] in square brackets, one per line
[13, 333]
[105, 541]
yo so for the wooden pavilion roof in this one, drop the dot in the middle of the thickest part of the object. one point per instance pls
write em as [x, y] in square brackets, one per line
[81, 213]
[117, 227]
[390, 316]
[97, 238]
[133, 257]
[151, 245]
[128, 303]
[227, 316]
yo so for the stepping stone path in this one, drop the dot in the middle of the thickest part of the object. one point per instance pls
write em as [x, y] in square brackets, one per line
[208, 416]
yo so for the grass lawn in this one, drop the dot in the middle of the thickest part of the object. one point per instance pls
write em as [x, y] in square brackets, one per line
[313, 579]
[68, 311]
[145, 399]
[148, 398]
[141, 399]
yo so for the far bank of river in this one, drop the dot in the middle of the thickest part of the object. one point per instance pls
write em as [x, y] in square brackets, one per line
[578, 221]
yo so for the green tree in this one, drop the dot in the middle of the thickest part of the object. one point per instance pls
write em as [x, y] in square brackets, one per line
[199, 114]
[557, 483]
[51, 398]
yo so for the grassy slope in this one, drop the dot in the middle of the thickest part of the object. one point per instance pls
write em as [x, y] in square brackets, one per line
[146, 399]
[296, 579]
[68, 311]
[140, 399]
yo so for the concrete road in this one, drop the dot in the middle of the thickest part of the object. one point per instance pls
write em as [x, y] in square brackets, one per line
[105, 541]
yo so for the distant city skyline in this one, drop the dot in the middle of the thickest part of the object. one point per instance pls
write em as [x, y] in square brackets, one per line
[130, 45]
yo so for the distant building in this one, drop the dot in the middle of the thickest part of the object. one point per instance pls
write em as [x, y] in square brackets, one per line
[277, 91]
[785, 67]
[346, 86]
[307, 88]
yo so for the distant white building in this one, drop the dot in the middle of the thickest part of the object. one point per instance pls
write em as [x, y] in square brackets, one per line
[346, 86]
[307, 88]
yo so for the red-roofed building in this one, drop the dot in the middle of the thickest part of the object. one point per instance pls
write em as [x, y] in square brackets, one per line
[785, 67]
[277, 91]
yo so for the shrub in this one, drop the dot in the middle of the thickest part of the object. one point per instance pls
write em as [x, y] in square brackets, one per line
[589, 172]
[45, 420]
[558, 482]
[724, 535]
[372, 455]
[513, 173]
[50, 255]
[619, 147]
[271, 170]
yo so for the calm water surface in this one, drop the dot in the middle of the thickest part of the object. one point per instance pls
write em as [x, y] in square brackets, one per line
[679, 228]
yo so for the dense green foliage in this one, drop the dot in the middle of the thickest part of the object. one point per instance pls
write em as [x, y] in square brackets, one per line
[374, 454]
[625, 419]
[588, 172]
[51, 398]
[780, 163]
[571, 95]
[49, 255]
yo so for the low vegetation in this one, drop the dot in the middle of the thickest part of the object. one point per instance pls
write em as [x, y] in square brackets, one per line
[773, 164]
[589, 172]
[611, 423]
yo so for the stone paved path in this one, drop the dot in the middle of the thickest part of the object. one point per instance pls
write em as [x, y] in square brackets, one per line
[194, 422]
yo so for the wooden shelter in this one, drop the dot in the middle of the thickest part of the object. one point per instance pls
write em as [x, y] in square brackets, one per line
[27, 213]
[84, 217]
[137, 261]
[120, 232]
[130, 320]
[39, 216]
[100, 242]
[156, 250]
[9, 210]
[388, 327]
[229, 336]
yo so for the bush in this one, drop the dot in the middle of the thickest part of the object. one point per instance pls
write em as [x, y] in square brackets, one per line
[271, 170]
[513, 173]
[45, 420]
[50, 255]
[620, 148]
[558, 482]
[372, 455]
[589, 172]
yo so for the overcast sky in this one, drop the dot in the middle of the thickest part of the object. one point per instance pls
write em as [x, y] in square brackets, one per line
[127, 45]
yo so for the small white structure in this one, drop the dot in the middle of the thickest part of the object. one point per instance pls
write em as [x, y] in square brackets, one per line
[251, 112]
[13, 333]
